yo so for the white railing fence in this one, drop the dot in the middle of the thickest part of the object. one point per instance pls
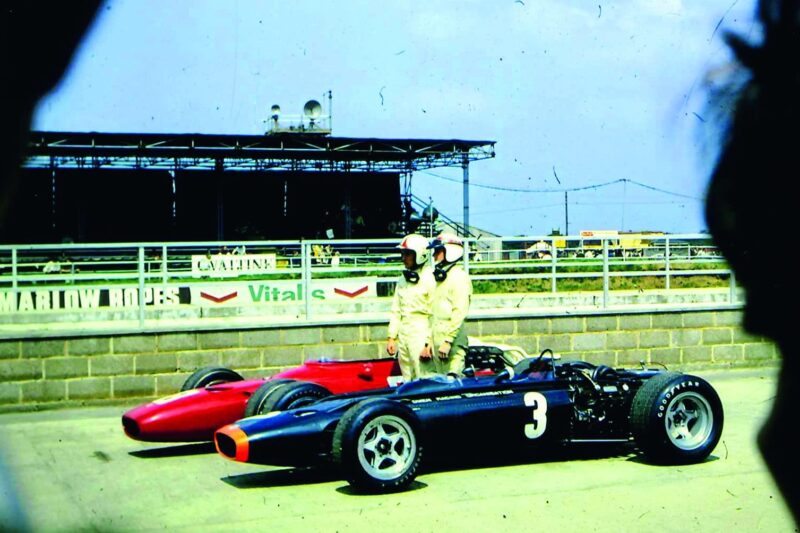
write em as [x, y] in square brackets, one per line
[38, 280]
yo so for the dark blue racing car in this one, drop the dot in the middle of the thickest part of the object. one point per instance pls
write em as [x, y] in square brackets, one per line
[377, 438]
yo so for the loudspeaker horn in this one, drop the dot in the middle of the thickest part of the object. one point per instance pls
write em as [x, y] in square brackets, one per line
[312, 109]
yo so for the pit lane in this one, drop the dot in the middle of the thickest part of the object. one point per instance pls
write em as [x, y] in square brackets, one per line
[76, 470]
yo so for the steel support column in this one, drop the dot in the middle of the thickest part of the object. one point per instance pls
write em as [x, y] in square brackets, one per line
[465, 166]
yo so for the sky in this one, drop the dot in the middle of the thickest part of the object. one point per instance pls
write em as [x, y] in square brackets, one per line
[598, 109]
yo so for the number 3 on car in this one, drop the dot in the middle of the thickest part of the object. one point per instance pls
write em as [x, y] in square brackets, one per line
[539, 404]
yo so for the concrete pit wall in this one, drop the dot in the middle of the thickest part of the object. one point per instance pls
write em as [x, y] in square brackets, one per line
[125, 369]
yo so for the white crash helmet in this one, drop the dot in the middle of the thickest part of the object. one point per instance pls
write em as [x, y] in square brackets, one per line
[417, 244]
[452, 244]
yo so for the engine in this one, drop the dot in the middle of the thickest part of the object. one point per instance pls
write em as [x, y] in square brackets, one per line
[601, 398]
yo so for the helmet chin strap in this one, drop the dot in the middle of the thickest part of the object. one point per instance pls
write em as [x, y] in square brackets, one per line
[441, 269]
[412, 276]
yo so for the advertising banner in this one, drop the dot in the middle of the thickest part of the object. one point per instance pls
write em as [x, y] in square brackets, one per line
[265, 292]
[200, 294]
[232, 265]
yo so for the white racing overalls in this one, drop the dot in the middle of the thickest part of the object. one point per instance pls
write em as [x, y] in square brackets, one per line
[451, 301]
[409, 322]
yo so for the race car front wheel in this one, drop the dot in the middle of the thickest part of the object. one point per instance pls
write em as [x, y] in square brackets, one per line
[376, 445]
[210, 375]
[676, 418]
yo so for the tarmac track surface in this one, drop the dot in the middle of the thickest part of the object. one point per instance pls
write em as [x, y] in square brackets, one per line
[76, 470]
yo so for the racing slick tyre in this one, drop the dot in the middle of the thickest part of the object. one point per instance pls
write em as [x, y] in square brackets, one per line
[293, 395]
[210, 375]
[255, 403]
[376, 445]
[676, 418]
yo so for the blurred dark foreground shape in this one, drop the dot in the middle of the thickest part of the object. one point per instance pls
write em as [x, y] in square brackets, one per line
[750, 209]
[39, 39]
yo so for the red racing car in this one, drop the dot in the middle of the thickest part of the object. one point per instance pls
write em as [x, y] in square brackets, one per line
[213, 397]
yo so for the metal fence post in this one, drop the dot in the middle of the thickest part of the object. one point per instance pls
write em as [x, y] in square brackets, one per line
[605, 272]
[553, 266]
[667, 263]
[141, 286]
[164, 277]
[305, 255]
[14, 282]
[732, 288]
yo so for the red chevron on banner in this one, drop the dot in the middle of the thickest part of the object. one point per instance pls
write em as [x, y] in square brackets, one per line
[218, 299]
[353, 294]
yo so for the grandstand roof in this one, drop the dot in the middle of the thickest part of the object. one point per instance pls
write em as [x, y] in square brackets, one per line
[283, 151]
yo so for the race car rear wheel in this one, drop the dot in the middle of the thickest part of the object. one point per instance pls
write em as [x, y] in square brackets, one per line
[376, 445]
[676, 418]
[292, 395]
[255, 403]
[210, 375]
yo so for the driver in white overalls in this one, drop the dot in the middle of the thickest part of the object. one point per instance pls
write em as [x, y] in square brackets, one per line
[450, 304]
[409, 334]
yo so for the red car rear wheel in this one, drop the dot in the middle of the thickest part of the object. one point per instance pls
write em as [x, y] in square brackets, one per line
[210, 375]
